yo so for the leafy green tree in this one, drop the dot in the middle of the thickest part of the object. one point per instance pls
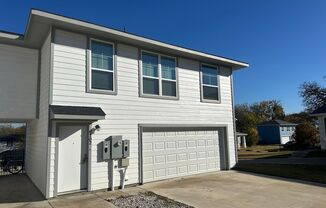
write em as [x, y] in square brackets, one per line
[246, 122]
[313, 95]
[299, 118]
[268, 110]
[253, 137]
[306, 135]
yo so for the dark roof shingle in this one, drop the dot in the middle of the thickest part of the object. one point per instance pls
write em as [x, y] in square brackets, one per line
[276, 122]
[77, 110]
[321, 110]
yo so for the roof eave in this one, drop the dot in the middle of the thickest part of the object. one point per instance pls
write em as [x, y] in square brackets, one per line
[58, 20]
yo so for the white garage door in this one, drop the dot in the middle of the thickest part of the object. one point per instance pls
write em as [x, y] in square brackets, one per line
[169, 154]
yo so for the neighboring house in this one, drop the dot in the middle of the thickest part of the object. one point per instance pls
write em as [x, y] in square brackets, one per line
[321, 114]
[275, 132]
[65, 76]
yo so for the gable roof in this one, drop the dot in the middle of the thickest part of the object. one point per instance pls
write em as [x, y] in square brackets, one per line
[40, 22]
[319, 111]
[276, 122]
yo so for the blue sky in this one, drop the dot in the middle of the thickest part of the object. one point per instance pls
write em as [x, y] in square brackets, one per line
[283, 40]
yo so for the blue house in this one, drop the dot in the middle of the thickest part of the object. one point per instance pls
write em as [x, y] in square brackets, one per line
[275, 132]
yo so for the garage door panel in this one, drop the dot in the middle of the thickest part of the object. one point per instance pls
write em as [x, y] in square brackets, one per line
[178, 153]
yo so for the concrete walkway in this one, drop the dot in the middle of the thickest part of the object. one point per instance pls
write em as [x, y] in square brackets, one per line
[290, 161]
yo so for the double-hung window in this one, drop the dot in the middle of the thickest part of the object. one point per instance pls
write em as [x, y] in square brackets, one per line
[159, 76]
[102, 74]
[210, 90]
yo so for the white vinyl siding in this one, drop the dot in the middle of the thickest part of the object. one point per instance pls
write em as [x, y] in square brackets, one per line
[37, 129]
[158, 75]
[18, 83]
[127, 110]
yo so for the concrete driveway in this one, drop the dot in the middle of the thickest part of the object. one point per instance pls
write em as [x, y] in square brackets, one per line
[228, 189]
[241, 190]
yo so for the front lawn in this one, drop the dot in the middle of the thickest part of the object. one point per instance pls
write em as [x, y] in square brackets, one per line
[264, 151]
[312, 173]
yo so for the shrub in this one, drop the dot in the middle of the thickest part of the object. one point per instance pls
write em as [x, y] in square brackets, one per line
[252, 138]
[306, 135]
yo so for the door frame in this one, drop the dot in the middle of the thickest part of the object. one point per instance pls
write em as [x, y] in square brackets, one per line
[163, 126]
[57, 126]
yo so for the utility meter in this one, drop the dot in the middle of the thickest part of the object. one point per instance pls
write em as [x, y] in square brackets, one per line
[125, 148]
[106, 149]
[116, 147]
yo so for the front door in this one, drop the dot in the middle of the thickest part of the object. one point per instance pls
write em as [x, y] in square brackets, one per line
[72, 158]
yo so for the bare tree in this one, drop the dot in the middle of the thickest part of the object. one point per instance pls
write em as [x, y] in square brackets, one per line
[313, 95]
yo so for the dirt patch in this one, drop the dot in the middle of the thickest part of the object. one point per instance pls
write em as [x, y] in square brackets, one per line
[146, 200]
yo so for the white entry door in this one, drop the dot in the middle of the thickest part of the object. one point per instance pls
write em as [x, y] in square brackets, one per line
[72, 156]
[169, 154]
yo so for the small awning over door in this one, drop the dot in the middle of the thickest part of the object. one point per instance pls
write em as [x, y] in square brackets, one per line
[60, 112]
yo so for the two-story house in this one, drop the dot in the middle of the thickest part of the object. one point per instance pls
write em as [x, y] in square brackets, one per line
[64, 77]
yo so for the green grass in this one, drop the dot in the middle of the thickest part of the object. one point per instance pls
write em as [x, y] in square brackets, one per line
[312, 173]
[264, 151]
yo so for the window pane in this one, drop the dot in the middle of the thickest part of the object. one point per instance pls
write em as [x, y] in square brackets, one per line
[168, 68]
[102, 55]
[169, 88]
[209, 75]
[150, 64]
[150, 86]
[210, 93]
[102, 80]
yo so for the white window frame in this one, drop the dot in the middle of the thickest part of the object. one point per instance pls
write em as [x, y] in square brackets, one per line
[159, 78]
[206, 85]
[90, 69]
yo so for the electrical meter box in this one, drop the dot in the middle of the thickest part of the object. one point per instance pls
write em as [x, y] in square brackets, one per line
[106, 149]
[125, 148]
[123, 163]
[116, 147]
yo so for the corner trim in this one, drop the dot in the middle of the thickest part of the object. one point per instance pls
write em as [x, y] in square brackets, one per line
[234, 120]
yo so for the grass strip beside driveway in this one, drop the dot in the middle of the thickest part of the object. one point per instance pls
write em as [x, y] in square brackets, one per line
[314, 173]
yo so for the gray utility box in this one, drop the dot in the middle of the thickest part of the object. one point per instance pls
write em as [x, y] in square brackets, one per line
[106, 149]
[125, 148]
[116, 147]
[123, 162]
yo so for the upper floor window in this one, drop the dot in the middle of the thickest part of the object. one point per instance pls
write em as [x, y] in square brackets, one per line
[210, 90]
[282, 128]
[102, 73]
[159, 75]
[288, 128]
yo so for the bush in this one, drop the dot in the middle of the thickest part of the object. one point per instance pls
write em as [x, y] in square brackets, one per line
[306, 135]
[252, 138]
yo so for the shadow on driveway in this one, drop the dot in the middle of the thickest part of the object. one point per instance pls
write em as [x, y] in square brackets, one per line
[18, 188]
